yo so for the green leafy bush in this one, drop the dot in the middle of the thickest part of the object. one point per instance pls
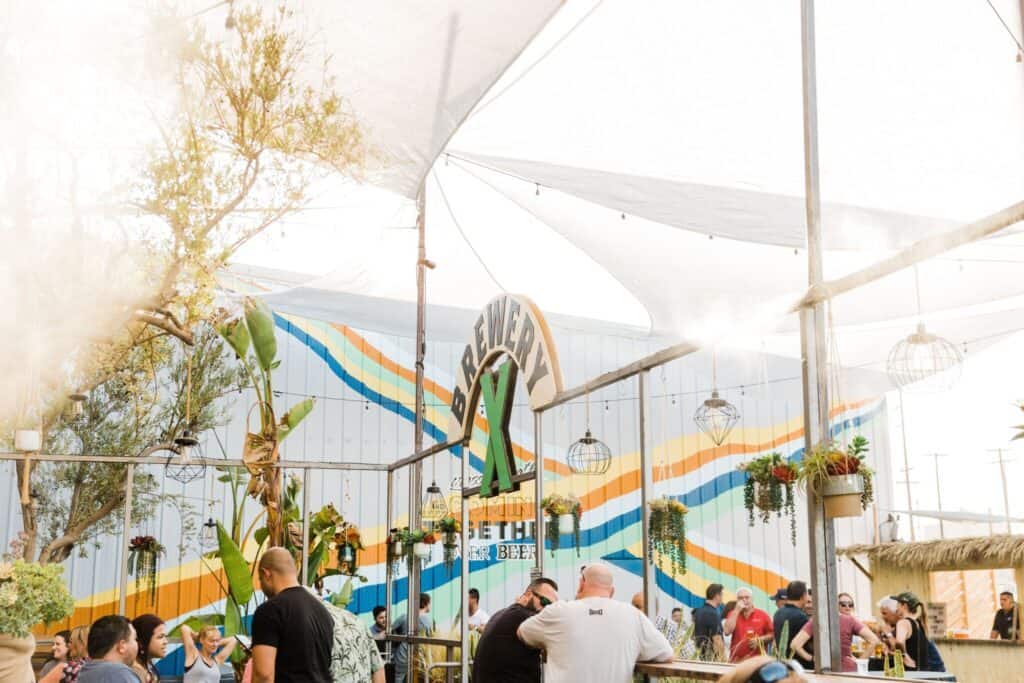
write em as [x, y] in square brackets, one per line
[31, 594]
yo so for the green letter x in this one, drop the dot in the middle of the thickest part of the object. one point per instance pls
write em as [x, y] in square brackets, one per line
[498, 406]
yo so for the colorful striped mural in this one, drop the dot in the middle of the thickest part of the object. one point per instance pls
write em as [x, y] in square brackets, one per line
[688, 467]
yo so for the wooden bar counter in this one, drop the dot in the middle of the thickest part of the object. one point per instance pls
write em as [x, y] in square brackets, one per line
[710, 671]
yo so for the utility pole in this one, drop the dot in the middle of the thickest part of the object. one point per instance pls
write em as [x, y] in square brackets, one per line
[938, 492]
[906, 468]
[1006, 495]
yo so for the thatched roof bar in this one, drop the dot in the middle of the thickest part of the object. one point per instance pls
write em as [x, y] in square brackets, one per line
[952, 553]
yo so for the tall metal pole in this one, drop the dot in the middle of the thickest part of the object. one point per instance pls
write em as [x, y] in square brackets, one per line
[388, 577]
[305, 526]
[416, 470]
[538, 495]
[464, 566]
[906, 469]
[646, 487]
[824, 572]
[122, 592]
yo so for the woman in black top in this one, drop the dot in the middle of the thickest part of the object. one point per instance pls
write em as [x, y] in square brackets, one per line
[911, 631]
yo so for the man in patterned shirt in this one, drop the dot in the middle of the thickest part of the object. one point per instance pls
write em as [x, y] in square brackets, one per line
[354, 655]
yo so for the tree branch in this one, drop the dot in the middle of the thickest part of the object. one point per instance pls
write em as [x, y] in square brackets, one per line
[63, 545]
[165, 323]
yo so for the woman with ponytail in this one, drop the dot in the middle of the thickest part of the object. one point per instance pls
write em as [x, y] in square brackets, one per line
[152, 636]
[911, 631]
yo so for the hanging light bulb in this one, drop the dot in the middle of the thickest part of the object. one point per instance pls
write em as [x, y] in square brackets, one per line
[209, 534]
[434, 506]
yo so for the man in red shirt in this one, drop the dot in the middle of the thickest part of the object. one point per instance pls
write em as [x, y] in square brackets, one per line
[750, 627]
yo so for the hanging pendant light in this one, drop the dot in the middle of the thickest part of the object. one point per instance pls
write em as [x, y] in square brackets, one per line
[183, 470]
[924, 361]
[589, 455]
[77, 404]
[434, 506]
[716, 417]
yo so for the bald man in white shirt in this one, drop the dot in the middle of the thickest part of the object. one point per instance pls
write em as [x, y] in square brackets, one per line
[594, 638]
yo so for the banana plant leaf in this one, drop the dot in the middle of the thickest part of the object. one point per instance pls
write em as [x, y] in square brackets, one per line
[291, 419]
[235, 568]
[260, 321]
[344, 596]
[317, 556]
[197, 622]
[236, 334]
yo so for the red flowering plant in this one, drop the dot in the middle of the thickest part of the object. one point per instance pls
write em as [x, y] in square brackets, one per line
[769, 488]
[144, 554]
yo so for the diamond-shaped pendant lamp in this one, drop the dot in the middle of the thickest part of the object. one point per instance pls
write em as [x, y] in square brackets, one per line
[716, 417]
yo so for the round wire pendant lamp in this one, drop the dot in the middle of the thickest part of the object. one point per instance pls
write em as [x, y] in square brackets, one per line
[716, 417]
[434, 506]
[924, 362]
[589, 456]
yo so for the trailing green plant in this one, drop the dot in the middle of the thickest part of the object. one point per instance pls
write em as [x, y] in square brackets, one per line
[144, 553]
[769, 488]
[555, 505]
[31, 594]
[826, 460]
[449, 527]
[396, 536]
[667, 531]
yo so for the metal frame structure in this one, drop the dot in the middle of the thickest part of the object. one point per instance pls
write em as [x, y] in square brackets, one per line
[811, 309]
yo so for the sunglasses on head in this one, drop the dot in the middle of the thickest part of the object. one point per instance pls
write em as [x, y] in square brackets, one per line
[843, 603]
[775, 671]
[544, 602]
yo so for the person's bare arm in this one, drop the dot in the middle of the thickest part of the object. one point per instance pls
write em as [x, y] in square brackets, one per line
[227, 646]
[188, 639]
[868, 635]
[55, 675]
[719, 645]
[903, 631]
[797, 645]
[730, 621]
[263, 657]
[378, 676]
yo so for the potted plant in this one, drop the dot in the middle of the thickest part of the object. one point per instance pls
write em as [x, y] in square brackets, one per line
[418, 541]
[449, 528]
[667, 531]
[396, 548]
[29, 594]
[564, 514]
[143, 562]
[769, 488]
[349, 542]
[842, 479]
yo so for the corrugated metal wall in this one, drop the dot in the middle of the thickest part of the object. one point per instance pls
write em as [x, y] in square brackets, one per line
[363, 383]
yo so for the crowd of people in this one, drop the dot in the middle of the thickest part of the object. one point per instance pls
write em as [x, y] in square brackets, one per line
[297, 636]
[738, 630]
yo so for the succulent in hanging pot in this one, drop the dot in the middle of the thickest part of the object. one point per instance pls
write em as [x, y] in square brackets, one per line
[842, 479]
[667, 532]
[769, 488]
[449, 528]
[564, 513]
[144, 554]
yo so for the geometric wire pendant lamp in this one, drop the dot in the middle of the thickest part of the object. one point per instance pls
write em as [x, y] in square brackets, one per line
[589, 455]
[924, 361]
[716, 417]
[184, 469]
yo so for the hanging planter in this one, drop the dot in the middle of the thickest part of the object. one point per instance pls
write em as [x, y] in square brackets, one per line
[396, 549]
[449, 528]
[769, 488]
[564, 514]
[349, 542]
[416, 543]
[144, 554]
[843, 480]
[667, 532]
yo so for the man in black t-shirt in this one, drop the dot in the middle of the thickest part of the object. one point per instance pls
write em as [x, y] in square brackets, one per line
[1006, 625]
[292, 632]
[707, 626]
[792, 613]
[500, 654]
